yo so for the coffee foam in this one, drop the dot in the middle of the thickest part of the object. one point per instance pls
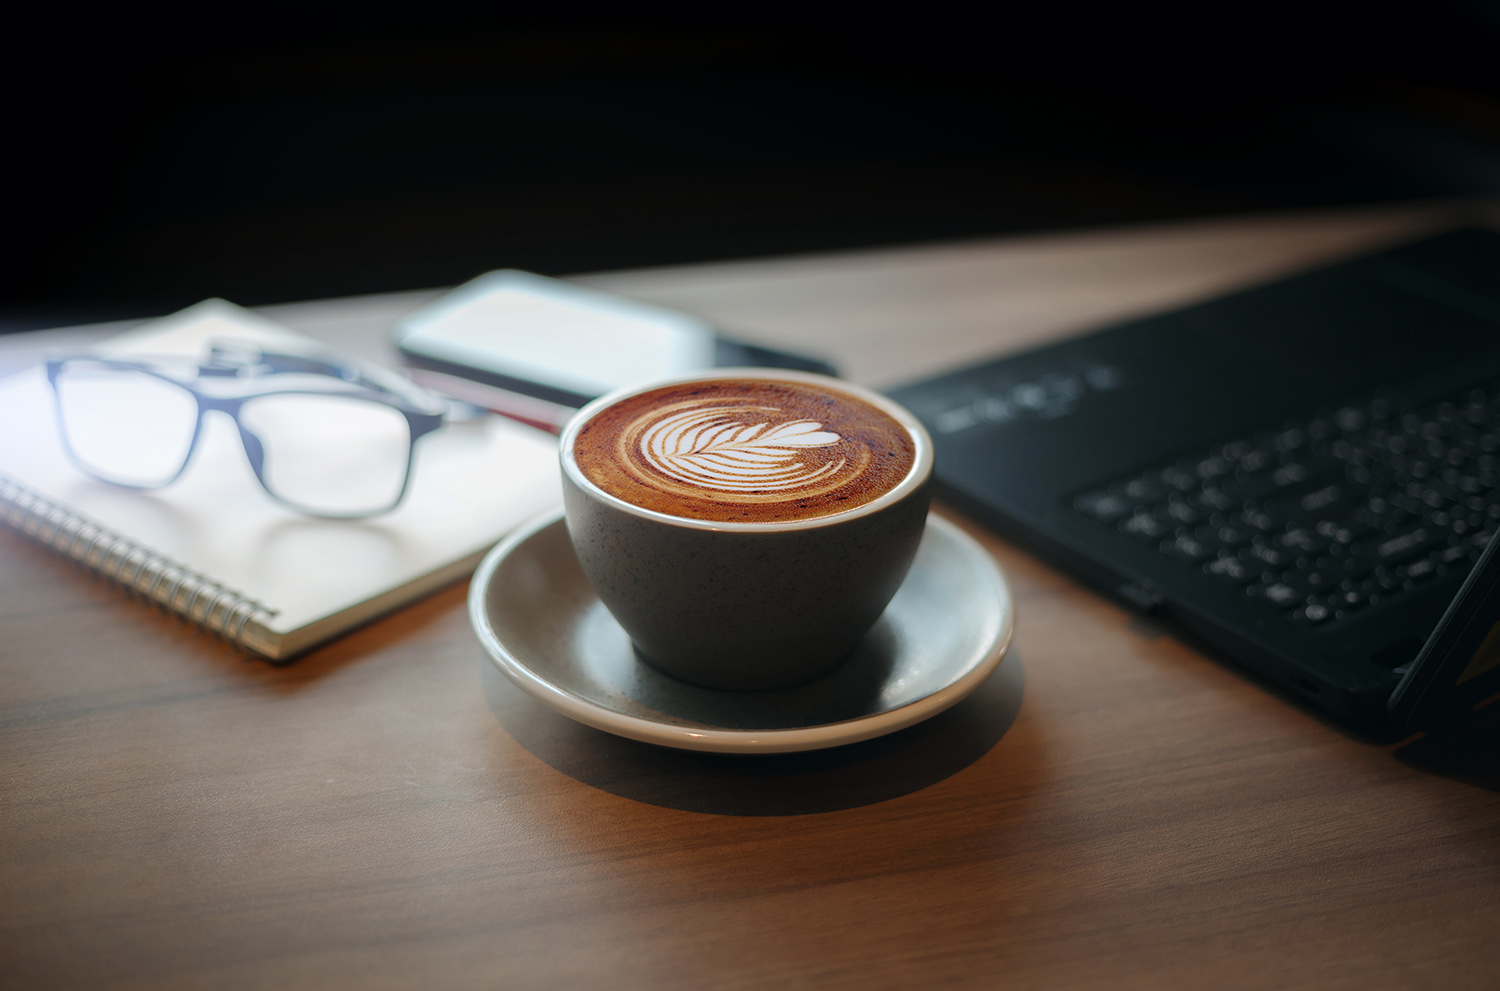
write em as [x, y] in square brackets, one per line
[744, 450]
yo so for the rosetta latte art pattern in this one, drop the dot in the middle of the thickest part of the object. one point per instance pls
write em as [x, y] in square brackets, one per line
[725, 449]
[738, 452]
[743, 450]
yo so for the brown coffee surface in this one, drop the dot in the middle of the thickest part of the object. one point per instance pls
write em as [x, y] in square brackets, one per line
[745, 451]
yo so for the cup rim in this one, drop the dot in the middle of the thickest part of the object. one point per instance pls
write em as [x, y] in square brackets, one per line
[921, 469]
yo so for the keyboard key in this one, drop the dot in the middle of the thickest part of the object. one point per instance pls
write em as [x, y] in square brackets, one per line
[1217, 499]
[1143, 490]
[1186, 549]
[1350, 419]
[1327, 501]
[1266, 555]
[1454, 554]
[1231, 569]
[1313, 613]
[1405, 546]
[1178, 511]
[1227, 535]
[1435, 498]
[1212, 467]
[1281, 595]
[1103, 506]
[1315, 481]
[1179, 479]
[1145, 527]
[1311, 581]
[1307, 474]
[1347, 600]
[1256, 520]
[1302, 540]
[1256, 461]
[1342, 531]
[1419, 571]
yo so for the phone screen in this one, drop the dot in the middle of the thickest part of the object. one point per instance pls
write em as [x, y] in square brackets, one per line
[552, 339]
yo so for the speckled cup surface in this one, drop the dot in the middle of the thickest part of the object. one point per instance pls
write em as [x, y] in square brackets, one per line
[746, 606]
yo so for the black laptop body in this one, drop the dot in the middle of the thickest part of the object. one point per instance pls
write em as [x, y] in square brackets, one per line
[1303, 474]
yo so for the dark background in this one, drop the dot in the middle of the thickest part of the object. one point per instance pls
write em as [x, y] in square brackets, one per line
[269, 157]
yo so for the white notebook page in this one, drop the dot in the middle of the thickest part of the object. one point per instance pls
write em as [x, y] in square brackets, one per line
[471, 483]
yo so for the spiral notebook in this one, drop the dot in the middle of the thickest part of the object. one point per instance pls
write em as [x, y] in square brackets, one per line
[214, 548]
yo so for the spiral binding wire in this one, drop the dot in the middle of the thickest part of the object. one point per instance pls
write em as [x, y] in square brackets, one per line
[192, 595]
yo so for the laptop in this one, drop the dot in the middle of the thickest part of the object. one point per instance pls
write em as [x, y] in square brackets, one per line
[1304, 475]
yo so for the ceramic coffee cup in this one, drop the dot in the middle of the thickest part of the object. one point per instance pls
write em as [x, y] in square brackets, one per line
[759, 580]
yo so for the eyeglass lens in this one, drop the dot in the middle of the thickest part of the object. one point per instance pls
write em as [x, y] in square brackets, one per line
[332, 455]
[126, 426]
[326, 454]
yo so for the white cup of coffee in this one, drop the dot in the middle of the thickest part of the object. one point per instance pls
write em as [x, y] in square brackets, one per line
[745, 527]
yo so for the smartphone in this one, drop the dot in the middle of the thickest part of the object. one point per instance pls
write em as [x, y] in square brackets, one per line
[536, 348]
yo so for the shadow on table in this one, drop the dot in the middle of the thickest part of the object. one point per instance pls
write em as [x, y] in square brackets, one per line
[1466, 748]
[773, 785]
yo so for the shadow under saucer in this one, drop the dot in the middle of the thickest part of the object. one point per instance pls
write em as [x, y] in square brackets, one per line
[806, 783]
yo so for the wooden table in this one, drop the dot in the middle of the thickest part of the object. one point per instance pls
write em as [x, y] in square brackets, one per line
[1111, 810]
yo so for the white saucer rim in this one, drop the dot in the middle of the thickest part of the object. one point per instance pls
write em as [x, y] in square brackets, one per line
[734, 741]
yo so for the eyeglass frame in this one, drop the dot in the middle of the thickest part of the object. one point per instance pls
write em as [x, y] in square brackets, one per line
[228, 359]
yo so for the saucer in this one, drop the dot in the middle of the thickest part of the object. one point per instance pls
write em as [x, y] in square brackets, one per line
[541, 624]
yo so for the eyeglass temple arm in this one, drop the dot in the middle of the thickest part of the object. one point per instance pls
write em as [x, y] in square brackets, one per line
[240, 360]
[232, 360]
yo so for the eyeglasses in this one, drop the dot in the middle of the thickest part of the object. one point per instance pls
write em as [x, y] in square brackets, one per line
[324, 438]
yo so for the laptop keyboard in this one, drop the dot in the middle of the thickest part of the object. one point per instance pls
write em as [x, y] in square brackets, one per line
[1329, 516]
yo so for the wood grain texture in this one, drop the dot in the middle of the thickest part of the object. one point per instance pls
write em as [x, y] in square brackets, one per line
[1114, 810]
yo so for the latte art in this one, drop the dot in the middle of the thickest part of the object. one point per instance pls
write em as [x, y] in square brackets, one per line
[744, 450]
[715, 448]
